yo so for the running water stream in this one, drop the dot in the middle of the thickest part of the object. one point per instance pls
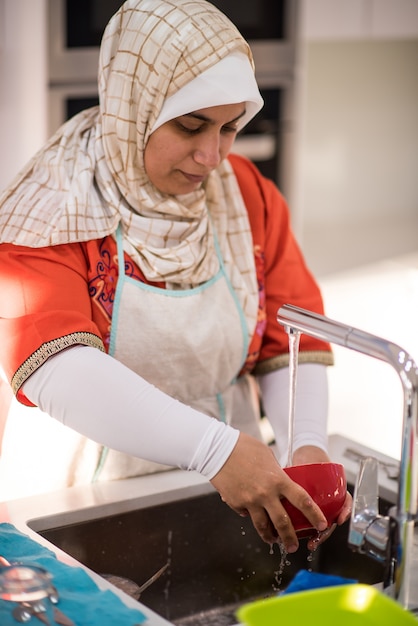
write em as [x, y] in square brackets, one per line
[294, 339]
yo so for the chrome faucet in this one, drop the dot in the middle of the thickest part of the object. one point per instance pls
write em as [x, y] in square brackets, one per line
[389, 539]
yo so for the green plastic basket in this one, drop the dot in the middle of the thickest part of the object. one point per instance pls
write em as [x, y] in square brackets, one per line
[343, 605]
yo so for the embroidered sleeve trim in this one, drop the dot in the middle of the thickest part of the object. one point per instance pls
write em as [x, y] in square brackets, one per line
[282, 360]
[50, 348]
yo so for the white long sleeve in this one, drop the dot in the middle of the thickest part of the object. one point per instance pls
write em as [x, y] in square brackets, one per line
[311, 406]
[97, 396]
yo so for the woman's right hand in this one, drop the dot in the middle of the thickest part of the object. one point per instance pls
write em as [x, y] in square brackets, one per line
[252, 483]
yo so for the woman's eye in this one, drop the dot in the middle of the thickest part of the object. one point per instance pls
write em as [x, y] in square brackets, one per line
[188, 129]
[192, 129]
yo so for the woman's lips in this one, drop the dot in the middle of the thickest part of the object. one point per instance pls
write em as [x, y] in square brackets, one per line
[194, 178]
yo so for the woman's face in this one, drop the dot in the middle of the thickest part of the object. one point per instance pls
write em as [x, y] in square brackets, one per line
[181, 153]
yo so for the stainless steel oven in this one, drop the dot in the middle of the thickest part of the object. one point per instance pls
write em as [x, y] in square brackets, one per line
[75, 28]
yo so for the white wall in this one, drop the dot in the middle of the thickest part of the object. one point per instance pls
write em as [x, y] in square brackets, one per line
[359, 19]
[357, 96]
[23, 83]
[360, 147]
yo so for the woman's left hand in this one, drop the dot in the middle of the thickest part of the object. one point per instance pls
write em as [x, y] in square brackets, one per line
[342, 518]
[311, 454]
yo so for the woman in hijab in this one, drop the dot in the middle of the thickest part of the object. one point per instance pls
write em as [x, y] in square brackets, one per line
[142, 267]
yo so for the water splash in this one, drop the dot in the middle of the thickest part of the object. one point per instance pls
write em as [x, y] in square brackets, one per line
[317, 540]
[284, 562]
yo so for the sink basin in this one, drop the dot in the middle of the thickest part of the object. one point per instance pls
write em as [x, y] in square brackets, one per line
[216, 560]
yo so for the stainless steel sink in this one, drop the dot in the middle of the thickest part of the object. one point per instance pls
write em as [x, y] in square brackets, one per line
[216, 560]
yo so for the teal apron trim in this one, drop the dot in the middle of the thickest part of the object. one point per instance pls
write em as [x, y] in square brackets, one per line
[221, 407]
[100, 463]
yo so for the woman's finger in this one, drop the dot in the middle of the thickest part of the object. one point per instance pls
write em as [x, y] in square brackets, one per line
[283, 526]
[263, 525]
[345, 512]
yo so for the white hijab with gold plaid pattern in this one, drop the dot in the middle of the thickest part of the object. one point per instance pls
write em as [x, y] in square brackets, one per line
[90, 175]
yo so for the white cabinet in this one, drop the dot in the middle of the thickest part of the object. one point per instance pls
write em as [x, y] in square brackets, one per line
[359, 19]
[395, 18]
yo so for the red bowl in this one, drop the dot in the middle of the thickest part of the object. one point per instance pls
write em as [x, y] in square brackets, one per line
[326, 483]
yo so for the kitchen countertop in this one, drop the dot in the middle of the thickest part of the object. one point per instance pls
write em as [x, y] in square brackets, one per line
[91, 501]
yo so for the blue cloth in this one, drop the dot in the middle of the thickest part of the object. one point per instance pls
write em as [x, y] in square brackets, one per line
[305, 580]
[79, 596]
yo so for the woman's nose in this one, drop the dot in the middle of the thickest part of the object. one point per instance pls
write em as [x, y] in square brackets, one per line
[207, 152]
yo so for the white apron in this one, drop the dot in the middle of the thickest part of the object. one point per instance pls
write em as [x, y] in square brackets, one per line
[189, 343]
